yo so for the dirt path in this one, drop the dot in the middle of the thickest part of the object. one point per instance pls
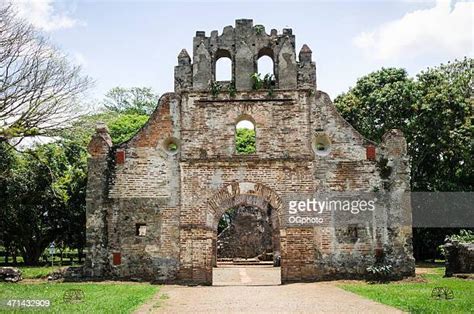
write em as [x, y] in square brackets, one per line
[256, 290]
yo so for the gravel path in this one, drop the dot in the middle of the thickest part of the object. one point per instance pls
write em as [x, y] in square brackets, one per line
[257, 290]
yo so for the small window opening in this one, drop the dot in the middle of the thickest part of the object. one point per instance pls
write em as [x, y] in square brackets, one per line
[352, 232]
[321, 144]
[245, 137]
[265, 65]
[140, 230]
[171, 145]
[224, 69]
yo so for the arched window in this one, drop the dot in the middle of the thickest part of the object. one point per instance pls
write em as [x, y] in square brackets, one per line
[265, 61]
[265, 65]
[245, 137]
[224, 69]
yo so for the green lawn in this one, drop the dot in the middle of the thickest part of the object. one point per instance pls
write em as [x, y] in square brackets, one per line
[35, 272]
[98, 298]
[416, 297]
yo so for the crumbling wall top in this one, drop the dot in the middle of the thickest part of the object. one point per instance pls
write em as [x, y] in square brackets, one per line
[244, 44]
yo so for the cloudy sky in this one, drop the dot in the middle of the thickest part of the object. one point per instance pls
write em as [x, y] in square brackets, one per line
[135, 43]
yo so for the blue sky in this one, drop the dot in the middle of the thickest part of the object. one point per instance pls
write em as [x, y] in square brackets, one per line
[135, 43]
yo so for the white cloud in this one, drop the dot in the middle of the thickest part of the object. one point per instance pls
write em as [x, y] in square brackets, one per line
[44, 14]
[446, 28]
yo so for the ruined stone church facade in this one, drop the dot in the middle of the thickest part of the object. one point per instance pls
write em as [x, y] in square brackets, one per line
[154, 202]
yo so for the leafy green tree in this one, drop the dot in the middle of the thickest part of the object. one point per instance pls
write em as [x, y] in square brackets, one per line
[441, 136]
[39, 202]
[127, 110]
[379, 101]
[7, 161]
[245, 141]
[434, 112]
[122, 126]
[136, 100]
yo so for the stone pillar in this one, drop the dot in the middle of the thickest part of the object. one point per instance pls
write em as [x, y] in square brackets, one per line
[306, 69]
[244, 67]
[183, 72]
[396, 177]
[96, 224]
[287, 71]
[244, 56]
[202, 63]
[196, 255]
[297, 255]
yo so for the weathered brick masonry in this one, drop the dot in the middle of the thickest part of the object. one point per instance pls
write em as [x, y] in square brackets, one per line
[153, 211]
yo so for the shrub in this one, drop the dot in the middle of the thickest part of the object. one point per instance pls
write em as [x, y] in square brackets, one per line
[380, 273]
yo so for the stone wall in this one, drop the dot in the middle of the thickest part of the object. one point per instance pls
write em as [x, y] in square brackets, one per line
[459, 258]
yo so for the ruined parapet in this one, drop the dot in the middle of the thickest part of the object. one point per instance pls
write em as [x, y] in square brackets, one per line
[306, 69]
[183, 72]
[96, 226]
[394, 168]
[100, 143]
[244, 44]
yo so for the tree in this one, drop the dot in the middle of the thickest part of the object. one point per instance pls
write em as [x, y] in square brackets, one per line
[7, 161]
[37, 206]
[441, 135]
[379, 101]
[127, 110]
[122, 126]
[245, 141]
[39, 89]
[434, 112]
[134, 100]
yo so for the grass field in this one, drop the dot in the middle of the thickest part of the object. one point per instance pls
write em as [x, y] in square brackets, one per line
[416, 297]
[35, 272]
[98, 298]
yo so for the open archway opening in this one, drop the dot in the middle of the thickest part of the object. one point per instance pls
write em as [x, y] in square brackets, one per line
[266, 64]
[224, 69]
[245, 234]
[223, 66]
[198, 242]
[247, 247]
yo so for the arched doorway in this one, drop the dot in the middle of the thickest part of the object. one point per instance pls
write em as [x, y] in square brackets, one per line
[198, 243]
[249, 194]
[247, 249]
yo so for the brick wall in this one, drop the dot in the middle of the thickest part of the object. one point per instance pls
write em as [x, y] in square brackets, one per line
[303, 146]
